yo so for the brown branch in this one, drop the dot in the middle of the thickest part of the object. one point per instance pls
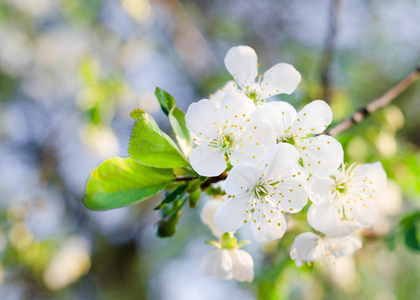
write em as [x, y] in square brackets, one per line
[329, 50]
[376, 104]
[212, 180]
[206, 183]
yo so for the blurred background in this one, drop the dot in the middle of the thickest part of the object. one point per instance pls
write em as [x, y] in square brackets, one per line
[72, 70]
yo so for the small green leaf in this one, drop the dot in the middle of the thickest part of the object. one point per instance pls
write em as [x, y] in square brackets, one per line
[119, 182]
[176, 194]
[176, 118]
[166, 101]
[411, 238]
[152, 147]
[194, 196]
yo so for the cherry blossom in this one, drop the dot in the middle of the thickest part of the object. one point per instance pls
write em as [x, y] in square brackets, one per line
[309, 247]
[228, 263]
[320, 153]
[343, 202]
[231, 132]
[242, 63]
[263, 194]
[208, 213]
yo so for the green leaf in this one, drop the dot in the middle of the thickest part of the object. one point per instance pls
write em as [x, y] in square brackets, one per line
[193, 198]
[176, 194]
[176, 119]
[166, 101]
[119, 182]
[411, 238]
[152, 147]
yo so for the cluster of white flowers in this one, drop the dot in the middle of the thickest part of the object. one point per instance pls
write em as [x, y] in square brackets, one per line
[277, 159]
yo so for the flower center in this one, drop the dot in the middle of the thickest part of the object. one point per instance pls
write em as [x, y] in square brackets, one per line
[224, 143]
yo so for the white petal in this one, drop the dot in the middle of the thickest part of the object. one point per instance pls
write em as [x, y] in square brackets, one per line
[364, 211]
[253, 143]
[248, 154]
[280, 79]
[241, 63]
[344, 246]
[207, 161]
[370, 179]
[281, 161]
[326, 219]
[208, 213]
[321, 155]
[268, 228]
[280, 114]
[241, 178]
[320, 189]
[200, 118]
[234, 108]
[233, 213]
[303, 247]
[243, 265]
[291, 195]
[314, 118]
[217, 263]
[220, 93]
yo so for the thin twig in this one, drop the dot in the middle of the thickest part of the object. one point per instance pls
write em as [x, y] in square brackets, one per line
[329, 50]
[376, 104]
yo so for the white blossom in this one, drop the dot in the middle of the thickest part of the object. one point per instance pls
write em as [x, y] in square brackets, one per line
[242, 64]
[262, 194]
[208, 213]
[343, 202]
[309, 247]
[319, 154]
[228, 264]
[217, 97]
[230, 131]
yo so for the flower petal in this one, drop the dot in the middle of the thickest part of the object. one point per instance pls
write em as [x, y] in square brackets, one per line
[280, 79]
[208, 213]
[207, 161]
[220, 93]
[268, 224]
[217, 263]
[241, 63]
[280, 114]
[344, 246]
[233, 213]
[248, 154]
[321, 155]
[370, 179]
[314, 118]
[326, 219]
[303, 248]
[243, 265]
[320, 189]
[241, 178]
[291, 194]
[281, 161]
[200, 118]
[235, 108]
[364, 211]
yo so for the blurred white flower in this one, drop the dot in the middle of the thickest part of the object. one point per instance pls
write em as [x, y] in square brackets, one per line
[208, 213]
[267, 192]
[309, 247]
[68, 264]
[228, 264]
[319, 154]
[230, 132]
[343, 202]
[242, 64]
